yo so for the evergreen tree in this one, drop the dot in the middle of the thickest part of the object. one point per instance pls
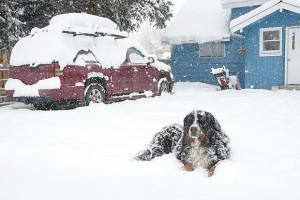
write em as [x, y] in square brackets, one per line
[36, 13]
[127, 14]
[18, 17]
[11, 27]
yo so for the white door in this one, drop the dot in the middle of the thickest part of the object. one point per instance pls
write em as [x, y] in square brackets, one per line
[293, 56]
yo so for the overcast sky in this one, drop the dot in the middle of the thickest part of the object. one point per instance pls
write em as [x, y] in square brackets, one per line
[176, 8]
[177, 5]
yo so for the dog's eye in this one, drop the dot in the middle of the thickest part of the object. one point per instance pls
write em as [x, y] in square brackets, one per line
[200, 121]
[199, 116]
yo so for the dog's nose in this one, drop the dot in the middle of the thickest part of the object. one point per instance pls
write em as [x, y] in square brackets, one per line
[194, 131]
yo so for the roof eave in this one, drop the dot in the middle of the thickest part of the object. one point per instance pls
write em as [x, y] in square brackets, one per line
[244, 3]
[167, 40]
[253, 18]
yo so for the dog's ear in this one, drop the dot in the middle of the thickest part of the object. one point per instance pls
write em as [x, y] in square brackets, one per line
[209, 122]
[188, 120]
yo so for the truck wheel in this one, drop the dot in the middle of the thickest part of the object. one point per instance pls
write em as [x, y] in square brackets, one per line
[163, 86]
[95, 94]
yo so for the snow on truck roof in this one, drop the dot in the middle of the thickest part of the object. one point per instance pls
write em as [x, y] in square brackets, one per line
[68, 34]
[83, 20]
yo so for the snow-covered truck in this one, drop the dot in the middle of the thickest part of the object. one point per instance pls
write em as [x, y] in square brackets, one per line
[81, 58]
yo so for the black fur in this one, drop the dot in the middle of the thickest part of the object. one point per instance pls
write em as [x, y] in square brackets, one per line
[164, 142]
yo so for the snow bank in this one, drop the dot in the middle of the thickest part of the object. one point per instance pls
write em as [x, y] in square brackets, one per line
[85, 153]
[50, 44]
[199, 21]
[31, 90]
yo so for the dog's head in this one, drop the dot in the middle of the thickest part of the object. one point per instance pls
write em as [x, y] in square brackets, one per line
[200, 125]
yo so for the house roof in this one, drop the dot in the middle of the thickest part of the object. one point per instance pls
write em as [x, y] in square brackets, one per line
[262, 11]
[241, 3]
[199, 21]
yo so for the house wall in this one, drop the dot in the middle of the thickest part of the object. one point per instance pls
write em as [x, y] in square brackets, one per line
[236, 12]
[187, 66]
[265, 72]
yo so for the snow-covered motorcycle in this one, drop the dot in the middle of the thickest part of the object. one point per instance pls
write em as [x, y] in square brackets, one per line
[224, 80]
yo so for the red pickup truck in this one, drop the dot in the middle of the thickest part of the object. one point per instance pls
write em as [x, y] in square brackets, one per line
[80, 58]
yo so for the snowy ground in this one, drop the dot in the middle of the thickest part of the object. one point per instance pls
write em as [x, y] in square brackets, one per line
[85, 154]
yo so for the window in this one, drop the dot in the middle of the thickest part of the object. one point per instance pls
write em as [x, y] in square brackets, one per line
[84, 57]
[270, 41]
[135, 56]
[212, 50]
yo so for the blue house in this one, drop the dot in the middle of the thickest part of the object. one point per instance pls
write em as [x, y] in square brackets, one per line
[257, 40]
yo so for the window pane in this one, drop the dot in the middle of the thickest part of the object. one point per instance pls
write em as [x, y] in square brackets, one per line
[271, 46]
[205, 50]
[136, 58]
[218, 50]
[271, 35]
[212, 49]
[83, 57]
[134, 50]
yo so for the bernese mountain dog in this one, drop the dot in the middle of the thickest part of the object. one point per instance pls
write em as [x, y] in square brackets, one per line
[200, 142]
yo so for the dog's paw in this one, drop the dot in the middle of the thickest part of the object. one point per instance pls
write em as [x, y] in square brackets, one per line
[211, 171]
[188, 167]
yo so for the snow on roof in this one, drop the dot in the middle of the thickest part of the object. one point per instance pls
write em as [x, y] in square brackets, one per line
[67, 35]
[241, 3]
[85, 23]
[199, 21]
[262, 11]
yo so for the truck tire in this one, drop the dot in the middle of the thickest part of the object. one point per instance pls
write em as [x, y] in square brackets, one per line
[95, 93]
[163, 86]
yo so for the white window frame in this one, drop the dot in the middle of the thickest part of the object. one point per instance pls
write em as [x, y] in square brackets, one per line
[262, 52]
[211, 56]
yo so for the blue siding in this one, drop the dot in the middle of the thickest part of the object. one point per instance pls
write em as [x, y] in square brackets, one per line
[188, 66]
[236, 12]
[265, 72]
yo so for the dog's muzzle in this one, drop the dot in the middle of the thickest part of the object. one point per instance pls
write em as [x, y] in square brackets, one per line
[194, 132]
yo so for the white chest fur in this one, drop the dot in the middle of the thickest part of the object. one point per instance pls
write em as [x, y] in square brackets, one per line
[197, 155]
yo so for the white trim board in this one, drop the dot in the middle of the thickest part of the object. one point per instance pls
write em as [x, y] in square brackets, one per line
[259, 13]
[241, 3]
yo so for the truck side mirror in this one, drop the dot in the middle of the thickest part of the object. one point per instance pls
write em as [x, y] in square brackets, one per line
[150, 60]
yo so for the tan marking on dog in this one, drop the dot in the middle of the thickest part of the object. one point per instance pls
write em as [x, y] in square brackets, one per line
[188, 167]
[211, 170]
